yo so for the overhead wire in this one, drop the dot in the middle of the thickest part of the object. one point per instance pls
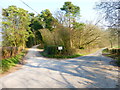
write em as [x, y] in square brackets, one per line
[28, 6]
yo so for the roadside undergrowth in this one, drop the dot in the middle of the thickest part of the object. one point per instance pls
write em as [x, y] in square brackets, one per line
[6, 64]
[113, 53]
[62, 56]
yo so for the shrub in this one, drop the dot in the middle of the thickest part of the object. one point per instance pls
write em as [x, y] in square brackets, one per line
[71, 51]
[118, 61]
[10, 51]
[105, 50]
[114, 51]
[52, 50]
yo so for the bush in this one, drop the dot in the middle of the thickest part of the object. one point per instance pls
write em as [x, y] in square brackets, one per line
[114, 51]
[71, 51]
[52, 50]
[10, 51]
[118, 61]
[105, 51]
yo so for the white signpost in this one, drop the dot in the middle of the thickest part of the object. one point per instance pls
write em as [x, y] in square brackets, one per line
[60, 48]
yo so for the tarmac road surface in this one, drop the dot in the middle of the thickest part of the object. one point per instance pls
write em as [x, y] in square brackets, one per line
[91, 71]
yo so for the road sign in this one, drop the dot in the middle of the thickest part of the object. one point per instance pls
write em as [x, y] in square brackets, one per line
[60, 48]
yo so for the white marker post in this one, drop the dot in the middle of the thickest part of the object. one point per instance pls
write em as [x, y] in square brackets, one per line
[60, 48]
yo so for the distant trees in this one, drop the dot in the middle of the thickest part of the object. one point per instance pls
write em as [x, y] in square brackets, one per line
[48, 19]
[35, 25]
[71, 12]
[112, 35]
[16, 28]
[21, 29]
[111, 11]
[44, 20]
[70, 34]
[88, 35]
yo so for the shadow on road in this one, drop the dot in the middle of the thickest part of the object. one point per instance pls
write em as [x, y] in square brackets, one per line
[95, 71]
[92, 68]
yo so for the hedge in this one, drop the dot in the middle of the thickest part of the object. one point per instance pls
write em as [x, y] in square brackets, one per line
[114, 51]
[53, 50]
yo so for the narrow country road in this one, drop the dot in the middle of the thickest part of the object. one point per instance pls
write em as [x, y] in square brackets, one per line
[91, 71]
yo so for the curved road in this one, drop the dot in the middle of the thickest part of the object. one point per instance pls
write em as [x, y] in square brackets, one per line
[91, 71]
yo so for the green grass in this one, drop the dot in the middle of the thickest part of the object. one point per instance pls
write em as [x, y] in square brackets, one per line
[116, 47]
[105, 51]
[60, 56]
[6, 64]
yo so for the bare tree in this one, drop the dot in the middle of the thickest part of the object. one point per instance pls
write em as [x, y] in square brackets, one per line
[111, 10]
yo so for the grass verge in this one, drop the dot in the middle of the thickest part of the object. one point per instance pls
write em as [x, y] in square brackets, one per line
[6, 64]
